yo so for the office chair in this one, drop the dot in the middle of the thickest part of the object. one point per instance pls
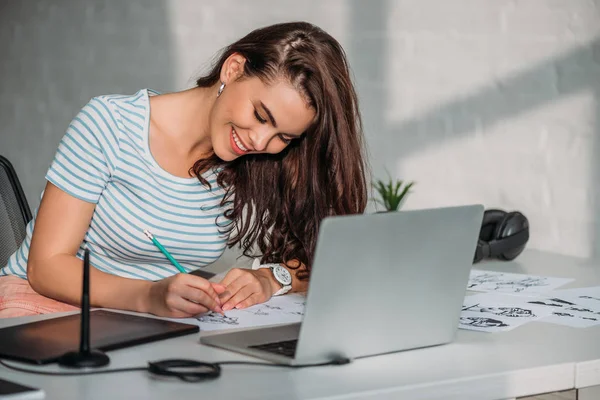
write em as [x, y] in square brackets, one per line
[14, 211]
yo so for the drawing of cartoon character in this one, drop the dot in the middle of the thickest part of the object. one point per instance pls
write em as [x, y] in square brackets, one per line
[482, 322]
[505, 311]
[214, 318]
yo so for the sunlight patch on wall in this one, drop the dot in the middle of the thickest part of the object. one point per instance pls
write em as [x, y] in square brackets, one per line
[538, 162]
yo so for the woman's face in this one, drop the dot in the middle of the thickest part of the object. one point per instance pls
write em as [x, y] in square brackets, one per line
[251, 117]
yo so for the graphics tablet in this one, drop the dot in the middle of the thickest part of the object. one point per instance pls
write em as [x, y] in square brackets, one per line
[43, 342]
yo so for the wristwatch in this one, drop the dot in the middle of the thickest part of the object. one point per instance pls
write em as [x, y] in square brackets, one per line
[281, 274]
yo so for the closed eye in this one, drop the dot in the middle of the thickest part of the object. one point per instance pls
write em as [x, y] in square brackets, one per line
[259, 118]
[284, 139]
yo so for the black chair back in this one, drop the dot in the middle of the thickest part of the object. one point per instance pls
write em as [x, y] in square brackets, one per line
[14, 211]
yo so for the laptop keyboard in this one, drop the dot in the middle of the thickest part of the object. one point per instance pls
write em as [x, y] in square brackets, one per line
[285, 348]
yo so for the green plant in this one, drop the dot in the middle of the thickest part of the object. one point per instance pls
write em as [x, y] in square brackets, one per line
[391, 192]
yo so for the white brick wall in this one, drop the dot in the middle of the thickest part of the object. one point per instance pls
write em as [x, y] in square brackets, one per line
[491, 101]
[496, 102]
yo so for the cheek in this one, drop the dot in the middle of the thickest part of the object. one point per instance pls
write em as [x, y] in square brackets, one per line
[276, 146]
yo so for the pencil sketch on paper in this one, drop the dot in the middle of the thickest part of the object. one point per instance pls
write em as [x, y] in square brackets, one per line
[482, 322]
[565, 314]
[580, 309]
[278, 310]
[552, 302]
[565, 305]
[215, 318]
[514, 285]
[262, 309]
[589, 298]
[503, 311]
[493, 281]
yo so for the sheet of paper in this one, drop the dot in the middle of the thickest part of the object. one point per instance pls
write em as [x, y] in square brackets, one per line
[572, 319]
[284, 309]
[578, 308]
[504, 282]
[494, 312]
[586, 296]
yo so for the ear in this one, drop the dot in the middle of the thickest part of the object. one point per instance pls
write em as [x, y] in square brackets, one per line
[233, 68]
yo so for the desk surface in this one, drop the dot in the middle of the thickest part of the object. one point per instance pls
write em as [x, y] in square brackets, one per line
[534, 358]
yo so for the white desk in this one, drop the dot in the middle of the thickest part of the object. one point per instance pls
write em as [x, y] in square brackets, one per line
[534, 358]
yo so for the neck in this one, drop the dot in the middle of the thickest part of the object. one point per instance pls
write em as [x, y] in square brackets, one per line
[184, 117]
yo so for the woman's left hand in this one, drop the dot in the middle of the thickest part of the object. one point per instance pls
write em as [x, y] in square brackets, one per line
[246, 287]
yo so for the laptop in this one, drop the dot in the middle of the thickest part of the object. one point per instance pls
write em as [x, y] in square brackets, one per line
[380, 283]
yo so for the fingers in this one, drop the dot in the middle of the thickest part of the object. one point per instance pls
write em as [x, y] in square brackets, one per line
[181, 307]
[200, 297]
[250, 301]
[200, 283]
[241, 295]
[218, 287]
[240, 287]
[231, 276]
[231, 290]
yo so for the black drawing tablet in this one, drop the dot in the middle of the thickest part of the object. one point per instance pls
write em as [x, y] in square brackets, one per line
[43, 342]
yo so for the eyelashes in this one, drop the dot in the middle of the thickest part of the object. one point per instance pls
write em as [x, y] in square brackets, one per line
[264, 121]
[259, 118]
[284, 139]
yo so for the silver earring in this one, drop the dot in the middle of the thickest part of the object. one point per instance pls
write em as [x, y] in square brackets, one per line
[221, 89]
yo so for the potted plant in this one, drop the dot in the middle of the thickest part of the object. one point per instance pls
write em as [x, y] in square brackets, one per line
[391, 193]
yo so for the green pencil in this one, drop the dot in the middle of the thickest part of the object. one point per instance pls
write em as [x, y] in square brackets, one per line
[164, 251]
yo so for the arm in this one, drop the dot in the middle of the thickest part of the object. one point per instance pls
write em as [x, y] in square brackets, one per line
[54, 271]
[77, 177]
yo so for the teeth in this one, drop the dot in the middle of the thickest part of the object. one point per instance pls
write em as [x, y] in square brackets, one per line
[237, 140]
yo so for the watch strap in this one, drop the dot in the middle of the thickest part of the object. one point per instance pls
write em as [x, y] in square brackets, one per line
[283, 290]
[257, 265]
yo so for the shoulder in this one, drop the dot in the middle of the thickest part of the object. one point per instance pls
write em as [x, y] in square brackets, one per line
[123, 115]
[124, 107]
[114, 110]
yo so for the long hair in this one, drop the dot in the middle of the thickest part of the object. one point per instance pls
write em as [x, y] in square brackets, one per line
[278, 201]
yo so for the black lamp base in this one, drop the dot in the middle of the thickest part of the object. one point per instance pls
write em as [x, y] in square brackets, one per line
[90, 359]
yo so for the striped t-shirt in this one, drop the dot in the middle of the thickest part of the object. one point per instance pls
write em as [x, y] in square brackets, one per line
[104, 158]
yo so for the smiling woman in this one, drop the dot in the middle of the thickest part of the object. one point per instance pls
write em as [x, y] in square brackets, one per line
[241, 118]
[265, 146]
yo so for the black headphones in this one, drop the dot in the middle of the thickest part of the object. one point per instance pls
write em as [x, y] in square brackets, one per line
[503, 235]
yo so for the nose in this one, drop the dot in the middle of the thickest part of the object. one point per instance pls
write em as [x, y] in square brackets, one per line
[259, 139]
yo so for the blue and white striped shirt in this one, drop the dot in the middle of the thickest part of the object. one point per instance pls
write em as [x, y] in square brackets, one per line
[104, 158]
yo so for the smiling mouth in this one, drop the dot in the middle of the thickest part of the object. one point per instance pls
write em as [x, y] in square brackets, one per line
[236, 143]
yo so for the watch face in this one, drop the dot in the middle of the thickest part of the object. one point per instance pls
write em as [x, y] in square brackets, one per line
[282, 275]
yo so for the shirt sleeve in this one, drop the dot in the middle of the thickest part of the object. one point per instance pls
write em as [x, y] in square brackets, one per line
[86, 156]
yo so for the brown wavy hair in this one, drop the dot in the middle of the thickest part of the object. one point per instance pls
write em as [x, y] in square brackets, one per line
[276, 202]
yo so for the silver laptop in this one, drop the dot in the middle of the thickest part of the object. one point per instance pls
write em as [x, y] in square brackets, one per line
[380, 283]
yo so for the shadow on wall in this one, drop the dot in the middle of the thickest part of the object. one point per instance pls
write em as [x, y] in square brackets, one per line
[57, 54]
[577, 70]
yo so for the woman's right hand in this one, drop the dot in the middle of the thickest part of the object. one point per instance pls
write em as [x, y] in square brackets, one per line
[183, 296]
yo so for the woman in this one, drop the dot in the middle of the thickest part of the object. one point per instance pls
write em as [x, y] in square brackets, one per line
[257, 154]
